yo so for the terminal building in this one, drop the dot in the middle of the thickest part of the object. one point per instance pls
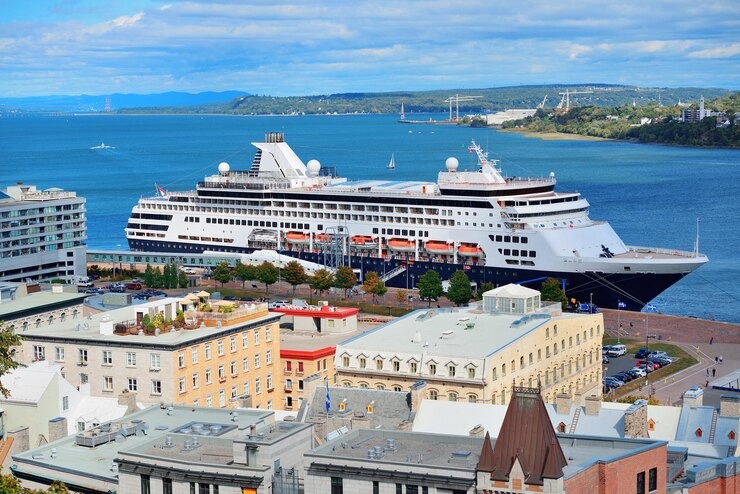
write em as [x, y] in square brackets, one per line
[479, 353]
[42, 234]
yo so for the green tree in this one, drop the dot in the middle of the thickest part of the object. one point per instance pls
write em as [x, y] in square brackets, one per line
[460, 291]
[222, 273]
[148, 275]
[345, 279]
[182, 279]
[8, 341]
[430, 286]
[245, 272]
[157, 278]
[551, 291]
[294, 274]
[374, 285]
[268, 274]
[322, 280]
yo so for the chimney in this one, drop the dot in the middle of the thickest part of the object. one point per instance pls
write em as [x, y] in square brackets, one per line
[563, 403]
[693, 397]
[729, 406]
[57, 428]
[417, 394]
[635, 420]
[310, 385]
[593, 405]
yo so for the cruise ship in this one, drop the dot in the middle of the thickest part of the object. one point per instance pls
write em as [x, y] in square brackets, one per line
[498, 230]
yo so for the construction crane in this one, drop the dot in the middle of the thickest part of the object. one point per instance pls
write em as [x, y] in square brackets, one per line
[457, 99]
[542, 105]
[565, 100]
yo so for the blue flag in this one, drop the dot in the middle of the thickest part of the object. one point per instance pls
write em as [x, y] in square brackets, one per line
[621, 305]
[651, 307]
[328, 398]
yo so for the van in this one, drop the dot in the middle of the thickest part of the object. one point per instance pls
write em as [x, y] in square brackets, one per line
[617, 350]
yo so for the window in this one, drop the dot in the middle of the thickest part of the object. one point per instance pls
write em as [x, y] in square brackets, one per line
[156, 387]
[257, 361]
[412, 367]
[257, 386]
[640, 487]
[108, 383]
[503, 369]
[83, 378]
[379, 364]
[653, 479]
[288, 365]
[471, 372]
[194, 355]
[268, 357]
[222, 398]
[233, 367]
[155, 361]
[363, 362]
[345, 361]
[39, 353]
[494, 376]
[433, 395]
[232, 343]
[207, 351]
[256, 336]
[245, 364]
[145, 487]
[452, 396]
[166, 486]
[209, 401]
[300, 368]
[133, 384]
[59, 354]
[181, 360]
[396, 365]
[221, 372]
[181, 385]
[195, 380]
[288, 385]
[268, 334]
[245, 340]
[451, 369]
[208, 376]
[336, 485]
[433, 369]
[65, 402]
[269, 382]
[130, 359]
[220, 346]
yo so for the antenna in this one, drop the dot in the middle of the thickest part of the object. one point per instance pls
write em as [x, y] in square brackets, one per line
[696, 242]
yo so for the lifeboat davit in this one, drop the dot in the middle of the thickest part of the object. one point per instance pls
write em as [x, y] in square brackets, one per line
[439, 247]
[322, 238]
[401, 245]
[468, 250]
[297, 238]
[363, 242]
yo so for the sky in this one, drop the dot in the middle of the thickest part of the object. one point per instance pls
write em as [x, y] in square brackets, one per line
[313, 47]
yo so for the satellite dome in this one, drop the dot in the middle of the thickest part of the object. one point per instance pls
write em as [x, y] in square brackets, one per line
[313, 167]
[451, 163]
[223, 167]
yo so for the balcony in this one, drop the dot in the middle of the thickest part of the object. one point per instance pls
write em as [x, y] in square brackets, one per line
[222, 379]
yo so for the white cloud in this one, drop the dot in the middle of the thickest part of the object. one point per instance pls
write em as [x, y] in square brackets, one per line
[725, 51]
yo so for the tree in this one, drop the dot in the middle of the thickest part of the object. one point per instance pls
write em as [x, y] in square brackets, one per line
[182, 279]
[374, 285]
[322, 280]
[245, 272]
[8, 341]
[430, 286]
[268, 274]
[294, 274]
[460, 291]
[157, 278]
[402, 297]
[345, 279]
[148, 275]
[551, 291]
[222, 273]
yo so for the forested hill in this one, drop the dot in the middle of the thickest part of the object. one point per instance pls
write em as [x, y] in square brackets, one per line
[648, 123]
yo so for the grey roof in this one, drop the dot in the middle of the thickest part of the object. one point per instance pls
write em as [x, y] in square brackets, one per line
[456, 332]
[692, 419]
[389, 407]
[21, 306]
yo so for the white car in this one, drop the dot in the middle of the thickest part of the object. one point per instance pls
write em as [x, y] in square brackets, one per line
[639, 371]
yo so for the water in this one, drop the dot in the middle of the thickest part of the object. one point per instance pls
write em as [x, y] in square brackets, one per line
[651, 195]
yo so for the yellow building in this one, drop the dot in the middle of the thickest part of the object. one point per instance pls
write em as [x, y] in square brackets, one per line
[479, 353]
[217, 359]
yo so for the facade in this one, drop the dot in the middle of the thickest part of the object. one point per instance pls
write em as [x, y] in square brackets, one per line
[477, 354]
[216, 359]
[308, 347]
[25, 306]
[174, 449]
[43, 234]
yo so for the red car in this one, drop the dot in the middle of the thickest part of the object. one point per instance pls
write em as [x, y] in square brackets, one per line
[133, 286]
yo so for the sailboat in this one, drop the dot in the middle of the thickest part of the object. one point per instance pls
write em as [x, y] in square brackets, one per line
[391, 163]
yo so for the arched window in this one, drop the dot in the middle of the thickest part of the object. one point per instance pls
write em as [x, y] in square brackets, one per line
[561, 427]
[521, 361]
[472, 398]
[433, 395]
[380, 387]
[396, 387]
[452, 396]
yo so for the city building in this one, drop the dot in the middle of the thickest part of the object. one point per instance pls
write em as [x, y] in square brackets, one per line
[43, 234]
[202, 353]
[174, 449]
[24, 306]
[309, 335]
[478, 353]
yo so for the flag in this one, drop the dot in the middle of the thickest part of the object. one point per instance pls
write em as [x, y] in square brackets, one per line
[328, 398]
[160, 190]
[465, 267]
[621, 305]
[651, 307]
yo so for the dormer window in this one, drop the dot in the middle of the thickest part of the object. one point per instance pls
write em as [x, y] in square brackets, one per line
[731, 435]
[651, 425]
[699, 432]
[561, 427]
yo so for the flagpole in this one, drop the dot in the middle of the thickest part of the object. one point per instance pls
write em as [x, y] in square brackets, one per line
[619, 320]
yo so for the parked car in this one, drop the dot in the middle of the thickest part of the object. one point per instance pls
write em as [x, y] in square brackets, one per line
[617, 350]
[657, 353]
[639, 371]
[613, 382]
[604, 359]
[133, 286]
[642, 353]
[605, 349]
[276, 304]
[624, 376]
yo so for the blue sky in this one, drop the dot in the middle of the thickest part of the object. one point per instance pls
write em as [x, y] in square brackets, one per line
[293, 48]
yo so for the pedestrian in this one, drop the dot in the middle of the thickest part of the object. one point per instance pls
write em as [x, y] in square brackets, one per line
[720, 359]
[706, 385]
[714, 371]
[707, 371]
[711, 340]
[716, 360]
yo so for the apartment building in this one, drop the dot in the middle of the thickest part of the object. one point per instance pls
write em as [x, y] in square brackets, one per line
[479, 353]
[42, 234]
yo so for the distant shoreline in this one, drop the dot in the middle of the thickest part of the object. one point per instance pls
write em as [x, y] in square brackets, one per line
[556, 136]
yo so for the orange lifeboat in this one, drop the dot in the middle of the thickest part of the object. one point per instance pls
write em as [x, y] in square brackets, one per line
[438, 247]
[297, 238]
[401, 245]
[363, 242]
[322, 238]
[468, 250]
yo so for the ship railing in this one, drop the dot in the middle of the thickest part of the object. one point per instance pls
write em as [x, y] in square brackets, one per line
[261, 185]
[633, 249]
